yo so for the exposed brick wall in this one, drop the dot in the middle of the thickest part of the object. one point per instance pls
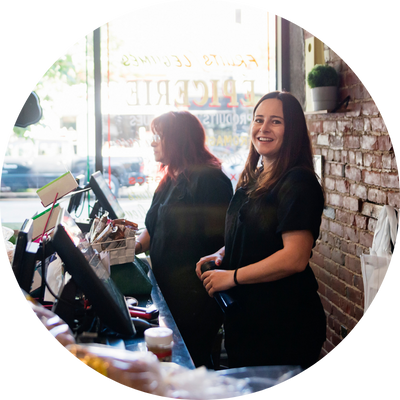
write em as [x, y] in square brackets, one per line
[360, 176]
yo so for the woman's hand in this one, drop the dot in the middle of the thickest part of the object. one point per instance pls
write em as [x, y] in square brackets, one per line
[216, 257]
[142, 242]
[217, 280]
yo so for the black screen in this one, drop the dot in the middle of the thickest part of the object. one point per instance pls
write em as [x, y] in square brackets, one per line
[105, 197]
[24, 260]
[89, 274]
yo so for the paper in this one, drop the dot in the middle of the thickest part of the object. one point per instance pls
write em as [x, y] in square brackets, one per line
[39, 221]
[54, 278]
[63, 185]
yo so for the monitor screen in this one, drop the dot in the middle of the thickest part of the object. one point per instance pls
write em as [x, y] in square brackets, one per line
[89, 274]
[105, 197]
[24, 260]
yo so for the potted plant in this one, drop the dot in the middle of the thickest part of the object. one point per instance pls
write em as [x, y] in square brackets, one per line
[323, 81]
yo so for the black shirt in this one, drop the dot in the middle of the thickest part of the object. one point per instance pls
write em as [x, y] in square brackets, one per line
[288, 310]
[186, 222]
[254, 227]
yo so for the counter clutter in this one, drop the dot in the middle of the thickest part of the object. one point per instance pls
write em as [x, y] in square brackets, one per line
[142, 370]
[88, 258]
[155, 364]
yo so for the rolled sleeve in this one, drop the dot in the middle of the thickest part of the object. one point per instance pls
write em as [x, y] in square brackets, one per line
[301, 203]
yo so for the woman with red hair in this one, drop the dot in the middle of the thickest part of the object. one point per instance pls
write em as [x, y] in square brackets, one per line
[185, 221]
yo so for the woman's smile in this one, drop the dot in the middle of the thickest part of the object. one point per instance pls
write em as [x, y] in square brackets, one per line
[264, 139]
[267, 129]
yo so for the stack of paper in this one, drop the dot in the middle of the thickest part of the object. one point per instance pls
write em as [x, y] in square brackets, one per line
[61, 186]
[39, 221]
[49, 194]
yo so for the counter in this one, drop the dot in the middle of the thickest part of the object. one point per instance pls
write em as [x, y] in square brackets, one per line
[180, 354]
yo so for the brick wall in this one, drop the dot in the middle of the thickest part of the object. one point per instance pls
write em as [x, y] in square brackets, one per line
[360, 176]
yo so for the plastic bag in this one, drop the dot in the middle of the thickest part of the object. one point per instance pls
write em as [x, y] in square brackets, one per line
[54, 278]
[202, 384]
[141, 370]
[143, 373]
[385, 232]
[10, 247]
[375, 271]
[262, 377]
[138, 370]
[7, 233]
[374, 265]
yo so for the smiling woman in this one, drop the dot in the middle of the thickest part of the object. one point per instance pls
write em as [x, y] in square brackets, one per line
[267, 130]
[294, 149]
[272, 224]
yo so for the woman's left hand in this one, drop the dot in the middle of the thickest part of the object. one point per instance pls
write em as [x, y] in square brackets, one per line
[217, 280]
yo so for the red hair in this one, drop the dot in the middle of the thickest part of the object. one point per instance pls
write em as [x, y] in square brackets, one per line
[183, 142]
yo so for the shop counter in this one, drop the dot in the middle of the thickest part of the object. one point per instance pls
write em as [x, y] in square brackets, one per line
[180, 354]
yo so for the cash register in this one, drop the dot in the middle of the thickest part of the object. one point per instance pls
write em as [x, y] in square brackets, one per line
[89, 281]
[105, 201]
[89, 302]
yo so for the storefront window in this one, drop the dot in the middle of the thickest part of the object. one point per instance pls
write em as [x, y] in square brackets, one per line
[155, 60]
[216, 66]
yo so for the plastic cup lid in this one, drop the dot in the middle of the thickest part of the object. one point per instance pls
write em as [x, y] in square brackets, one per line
[158, 336]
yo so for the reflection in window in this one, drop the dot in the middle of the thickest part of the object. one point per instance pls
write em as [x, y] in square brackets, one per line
[158, 59]
[216, 66]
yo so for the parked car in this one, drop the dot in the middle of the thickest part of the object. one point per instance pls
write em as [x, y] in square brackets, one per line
[20, 173]
[125, 171]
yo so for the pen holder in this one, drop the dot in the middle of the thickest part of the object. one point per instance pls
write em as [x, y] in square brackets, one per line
[121, 251]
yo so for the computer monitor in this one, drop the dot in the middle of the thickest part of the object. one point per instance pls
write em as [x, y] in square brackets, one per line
[83, 263]
[25, 256]
[105, 197]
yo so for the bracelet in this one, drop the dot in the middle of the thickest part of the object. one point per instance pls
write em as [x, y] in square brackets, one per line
[235, 277]
[141, 247]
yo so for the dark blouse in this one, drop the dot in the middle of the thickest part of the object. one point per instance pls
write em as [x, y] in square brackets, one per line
[186, 222]
[289, 309]
[295, 203]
